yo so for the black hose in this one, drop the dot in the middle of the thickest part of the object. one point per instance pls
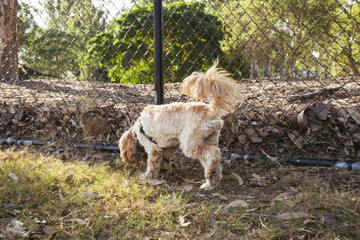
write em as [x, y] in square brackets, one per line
[34, 142]
[313, 162]
[113, 148]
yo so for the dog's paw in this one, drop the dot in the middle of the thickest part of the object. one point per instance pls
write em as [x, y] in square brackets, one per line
[206, 186]
[143, 176]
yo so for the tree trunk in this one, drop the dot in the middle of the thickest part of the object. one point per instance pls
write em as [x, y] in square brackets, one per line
[9, 47]
[352, 63]
[254, 72]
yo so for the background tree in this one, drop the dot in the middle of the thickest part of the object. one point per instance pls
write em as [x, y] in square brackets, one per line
[192, 39]
[28, 27]
[277, 36]
[8, 40]
[343, 45]
[28, 31]
[60, 47]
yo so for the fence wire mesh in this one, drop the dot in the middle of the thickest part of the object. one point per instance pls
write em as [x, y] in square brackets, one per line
[86, 69]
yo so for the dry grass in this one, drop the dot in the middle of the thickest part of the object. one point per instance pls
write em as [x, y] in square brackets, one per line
[77, 200]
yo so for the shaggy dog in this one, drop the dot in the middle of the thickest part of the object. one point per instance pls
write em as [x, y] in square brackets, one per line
[194, 127]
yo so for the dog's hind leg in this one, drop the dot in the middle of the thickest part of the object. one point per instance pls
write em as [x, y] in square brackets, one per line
[169, 152]
[209, 156]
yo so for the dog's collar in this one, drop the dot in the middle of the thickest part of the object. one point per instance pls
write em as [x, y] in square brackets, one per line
[140, 148]
[148, 137]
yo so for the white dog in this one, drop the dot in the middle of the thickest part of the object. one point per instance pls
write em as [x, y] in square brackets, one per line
[194, 127]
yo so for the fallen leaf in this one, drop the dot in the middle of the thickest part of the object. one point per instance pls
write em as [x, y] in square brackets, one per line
[320, 111]
[254, 209]
[242, 139]
[272, 119]
[357, 136]
[212, 220]
[256, 139]
[315, 125]
[73, 122]
[123, 123]
[246, 196]
[61, 197]
[91, 195]
[182, 221]
[234, 128]
[303, 230]
[13, 177]
[48, 230]
[188, 180]
[250, 132]
[32, 165]
[237, 203]
[19, 114]
[256, 180]
[69, 179]
[79, 220]
[15, 227]
[240, 180]
[258, 183]
[284, 196]
[256, 176]
[40, 221]
[297, 140]
[302, 120]
[356, 116]
[155, 182]
[185, 188]
[249, 115]
[216, 194]
[329, 221]
[293, 215]
[301, 107]
[273, 159]
[340, 114]
[263, 132]
[198, 194]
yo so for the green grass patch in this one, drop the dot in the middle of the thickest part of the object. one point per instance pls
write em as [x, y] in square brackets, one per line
[74, 200]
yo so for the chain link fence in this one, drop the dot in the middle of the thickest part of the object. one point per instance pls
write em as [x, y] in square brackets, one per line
[86, 70]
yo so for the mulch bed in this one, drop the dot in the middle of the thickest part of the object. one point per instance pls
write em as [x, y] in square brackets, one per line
[289, 118]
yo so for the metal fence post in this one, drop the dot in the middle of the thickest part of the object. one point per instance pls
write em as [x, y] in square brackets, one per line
[158, 56]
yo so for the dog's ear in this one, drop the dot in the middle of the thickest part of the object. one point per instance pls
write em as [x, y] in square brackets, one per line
[127, 146]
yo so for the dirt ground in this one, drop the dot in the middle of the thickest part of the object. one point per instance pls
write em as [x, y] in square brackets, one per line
[288, 118]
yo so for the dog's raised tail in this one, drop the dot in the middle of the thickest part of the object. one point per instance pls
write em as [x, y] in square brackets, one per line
[214, 86]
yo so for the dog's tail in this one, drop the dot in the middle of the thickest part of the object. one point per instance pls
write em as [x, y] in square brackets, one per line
[214, 86]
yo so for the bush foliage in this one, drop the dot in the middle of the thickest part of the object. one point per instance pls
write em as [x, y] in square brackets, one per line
[192, 39]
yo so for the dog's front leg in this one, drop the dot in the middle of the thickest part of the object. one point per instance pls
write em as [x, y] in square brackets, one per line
[212, 176]
[153, 164]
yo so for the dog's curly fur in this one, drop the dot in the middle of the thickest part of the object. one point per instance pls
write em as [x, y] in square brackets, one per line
[194, 127]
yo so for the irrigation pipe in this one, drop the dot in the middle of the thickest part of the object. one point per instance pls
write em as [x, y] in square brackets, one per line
[113, 148]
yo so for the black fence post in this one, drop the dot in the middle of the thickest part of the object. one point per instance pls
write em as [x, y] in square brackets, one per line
[158, 56]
